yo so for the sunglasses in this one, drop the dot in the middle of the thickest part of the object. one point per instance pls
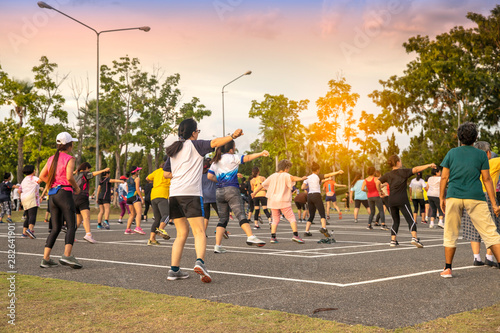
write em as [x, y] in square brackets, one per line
[198, 131]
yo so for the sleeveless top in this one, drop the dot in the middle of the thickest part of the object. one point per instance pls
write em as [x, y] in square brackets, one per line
[131, 188]
[256, 183]
[60, 177]
[372, 188]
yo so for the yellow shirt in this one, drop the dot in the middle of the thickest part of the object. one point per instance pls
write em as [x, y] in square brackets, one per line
[161, 185]
[494, 172]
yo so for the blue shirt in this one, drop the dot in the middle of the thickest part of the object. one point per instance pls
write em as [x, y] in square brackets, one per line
[358, 193]
[226, 170]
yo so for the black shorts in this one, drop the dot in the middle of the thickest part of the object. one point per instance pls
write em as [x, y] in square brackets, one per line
[186, 206]
[206, 208]
[332, 198]
[260, 201]
[357, 203]
[81, 203]
[133, 200]
[103, 201]
[301, 205]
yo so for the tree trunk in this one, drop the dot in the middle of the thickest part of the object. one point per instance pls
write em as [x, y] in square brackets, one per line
[38, 160]
[20, 144]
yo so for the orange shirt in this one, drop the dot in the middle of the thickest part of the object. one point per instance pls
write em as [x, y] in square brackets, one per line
[329, 187]
[255, 183]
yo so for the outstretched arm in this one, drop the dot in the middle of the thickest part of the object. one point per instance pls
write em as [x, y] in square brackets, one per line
[251, 157]
[422, 167]
[331, 174]
[297, 179]
[219, 142]
[95, 173]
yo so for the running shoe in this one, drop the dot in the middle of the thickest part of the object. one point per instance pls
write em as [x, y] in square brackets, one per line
[153, 242]
[384, 227]
[225, 234]
[327, 223]
[89, 239]
[297, 239]
[219, 249]
[260, 220]
[138, 230]
[30, 233]
[171, 223]
[273, 240]
[99, 226]
[446, 273]
[24, 236]
[9, 220]
[120, 221]
[45, 221]
[162, 233]
[64, 229]
[106, 225]
[355, 220]
[253, 240]
[70, 261]
[416, 242]
[431, 226]
[441, 224]
[128, 232]
[328, 217]
[490, 263]
[133, 222]
[176, 275]
[478, 262]
[376, 224]
[199, 268]
[394, 243]
[270, 225]
[324, 232]
[256, 227]
[369, 227]
[424, 222]
[308, 234]
[48, 263]
[340, 215]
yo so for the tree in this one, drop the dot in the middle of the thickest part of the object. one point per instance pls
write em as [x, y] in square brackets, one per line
[9, 147]
[47, 104]
[279, 124]
[81, 92]
[18, 94]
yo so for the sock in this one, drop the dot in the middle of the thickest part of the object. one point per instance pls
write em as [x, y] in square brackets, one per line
[440, 221]
[447, 266]
[477, 257]
[273, 235]
[174, 268]
[88, 233]
[489, 257]
[199, 259]
[296, 234]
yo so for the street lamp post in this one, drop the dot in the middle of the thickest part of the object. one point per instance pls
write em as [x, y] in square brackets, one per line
[223, 120]
[42, 4]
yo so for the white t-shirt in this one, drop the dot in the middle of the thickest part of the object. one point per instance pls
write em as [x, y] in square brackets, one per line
[226, 170]
[187, 167]
[417, 188]
[314, 183]
[434, 183]
[30, 192]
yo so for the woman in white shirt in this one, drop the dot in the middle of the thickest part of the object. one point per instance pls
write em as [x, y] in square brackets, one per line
[432, 188]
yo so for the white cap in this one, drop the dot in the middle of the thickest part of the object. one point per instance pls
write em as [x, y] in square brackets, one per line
[64, 138]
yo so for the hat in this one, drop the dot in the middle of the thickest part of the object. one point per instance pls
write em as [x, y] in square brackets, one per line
[123, 178]
[136, 170]
[64, 138]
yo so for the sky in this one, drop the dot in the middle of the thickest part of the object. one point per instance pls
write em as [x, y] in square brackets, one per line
[292, 47]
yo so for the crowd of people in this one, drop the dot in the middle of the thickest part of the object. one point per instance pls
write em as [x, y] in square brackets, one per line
[184, 190]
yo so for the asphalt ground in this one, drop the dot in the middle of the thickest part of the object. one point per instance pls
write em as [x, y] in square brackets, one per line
[360, 279]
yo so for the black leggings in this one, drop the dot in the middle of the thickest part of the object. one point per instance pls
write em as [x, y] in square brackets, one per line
[206, 208]
[260, 202]
[62, 208]
[314, 201]
[435, 206]
[30, 216]
[147, 203]
[406, 210]
[418, 202]
[372, 202]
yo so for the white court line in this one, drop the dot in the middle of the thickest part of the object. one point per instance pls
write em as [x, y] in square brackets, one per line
[342, 285]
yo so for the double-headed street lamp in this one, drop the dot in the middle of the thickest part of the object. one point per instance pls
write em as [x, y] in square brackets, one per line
[42, 4]
[223, 120]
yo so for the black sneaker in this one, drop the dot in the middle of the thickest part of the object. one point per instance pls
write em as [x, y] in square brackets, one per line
[490, 263]
[416, 242]
[64, 229]
[324, 232]
[308, 234]
[376, 224]
[70, 261]
[327, 223]
[478, 262]
[384, 227]
[394, 243]
[369, 227]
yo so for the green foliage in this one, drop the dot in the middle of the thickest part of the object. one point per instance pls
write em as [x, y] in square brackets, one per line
[8, 153]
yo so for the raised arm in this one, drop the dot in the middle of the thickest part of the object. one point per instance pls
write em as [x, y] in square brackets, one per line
[331, 174]
[419, 168]
[119, 181]
[251, 157]
[298, 179]
[95, 173]
[219, 142]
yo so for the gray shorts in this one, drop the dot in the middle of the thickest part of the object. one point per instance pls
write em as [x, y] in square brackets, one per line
[229, 198]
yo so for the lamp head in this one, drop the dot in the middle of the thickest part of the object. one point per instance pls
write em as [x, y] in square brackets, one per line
[145, 29]
[248, 73]
[42, 4]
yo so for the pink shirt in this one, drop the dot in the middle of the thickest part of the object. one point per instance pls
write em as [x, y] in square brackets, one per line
[60, 178]
[279, 190]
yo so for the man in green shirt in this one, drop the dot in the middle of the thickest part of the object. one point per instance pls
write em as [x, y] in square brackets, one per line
[462, 167]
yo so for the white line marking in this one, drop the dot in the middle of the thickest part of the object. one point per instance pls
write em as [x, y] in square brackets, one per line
[343, 285]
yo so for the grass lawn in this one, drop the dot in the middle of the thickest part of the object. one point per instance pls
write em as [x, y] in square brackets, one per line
[52, 305]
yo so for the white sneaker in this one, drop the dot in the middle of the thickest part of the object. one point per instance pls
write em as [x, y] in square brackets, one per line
[441, 224]
[431, 226]
[219, 249]
[253, 240]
